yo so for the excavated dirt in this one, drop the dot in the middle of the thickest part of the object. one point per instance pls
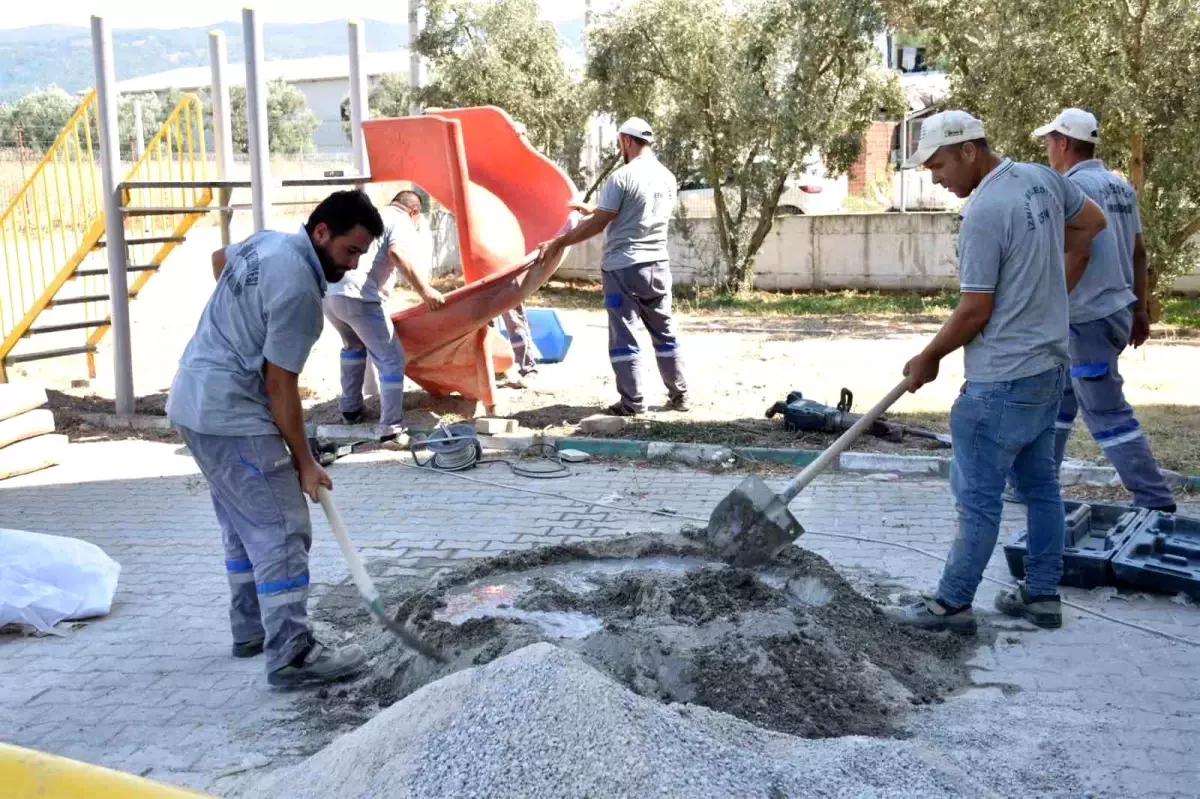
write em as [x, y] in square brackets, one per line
[791, 648]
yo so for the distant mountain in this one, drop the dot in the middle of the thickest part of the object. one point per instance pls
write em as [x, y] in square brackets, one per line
[60, 55]
[44, 55]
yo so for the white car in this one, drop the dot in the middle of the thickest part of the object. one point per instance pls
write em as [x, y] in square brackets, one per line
[809, 193]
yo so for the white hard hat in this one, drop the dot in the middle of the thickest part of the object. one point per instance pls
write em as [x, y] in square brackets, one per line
[637, 128]
[1074, 123]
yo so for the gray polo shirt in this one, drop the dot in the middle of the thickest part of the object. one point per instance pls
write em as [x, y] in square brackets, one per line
[642, 193]
[266, 307]
[375, 284]
[1107, 285]
[1011, 245]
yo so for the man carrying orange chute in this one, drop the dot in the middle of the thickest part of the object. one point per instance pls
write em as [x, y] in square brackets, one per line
[634, 210]
[355, 308]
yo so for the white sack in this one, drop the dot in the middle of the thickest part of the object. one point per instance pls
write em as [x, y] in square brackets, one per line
[45, 579]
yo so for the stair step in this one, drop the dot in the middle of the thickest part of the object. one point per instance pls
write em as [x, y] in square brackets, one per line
[47, 354]
[100, 245]
[167, 210]
[85, 298]
[101, 272]
[33, 331]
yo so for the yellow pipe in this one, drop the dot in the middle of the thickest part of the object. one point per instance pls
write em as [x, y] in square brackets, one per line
[27, 774]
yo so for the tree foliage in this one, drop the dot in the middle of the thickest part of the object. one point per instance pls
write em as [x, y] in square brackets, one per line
[36, 119]
[390, 97]
[741, 91]
[501, 53]
[290, 123]
[1134, 63]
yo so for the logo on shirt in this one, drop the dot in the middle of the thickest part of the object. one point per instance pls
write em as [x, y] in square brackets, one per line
[250, 271]
[1034, 216]
[1119, 199]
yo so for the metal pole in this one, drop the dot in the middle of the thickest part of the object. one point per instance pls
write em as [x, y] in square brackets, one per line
[416, 66]
[114, 222]
[256, 118]
[359, 109]
[903, 157]
[218, 56]
[139, 133]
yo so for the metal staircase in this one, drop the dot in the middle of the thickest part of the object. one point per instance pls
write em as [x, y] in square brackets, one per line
[54, 295]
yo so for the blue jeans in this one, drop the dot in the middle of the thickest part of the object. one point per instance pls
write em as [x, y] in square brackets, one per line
[998, 429]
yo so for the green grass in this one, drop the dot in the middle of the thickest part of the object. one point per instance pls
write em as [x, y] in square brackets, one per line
[689, 299]
[1177, 311]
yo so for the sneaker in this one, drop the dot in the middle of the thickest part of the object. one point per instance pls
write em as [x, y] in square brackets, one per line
[930, 614]
[1043, 611]
[352, 417]
[679, 403]
[248, 649]
[1011, 495]
[621, 409]
[320, 663]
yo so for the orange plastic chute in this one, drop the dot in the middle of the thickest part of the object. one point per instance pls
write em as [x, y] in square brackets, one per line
[506, 198]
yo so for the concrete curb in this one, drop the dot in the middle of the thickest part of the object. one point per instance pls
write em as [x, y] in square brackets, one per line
[1073, 472]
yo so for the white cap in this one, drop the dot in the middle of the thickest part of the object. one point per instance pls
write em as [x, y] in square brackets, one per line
[638, 128]
[1074, 123]
[947, 127]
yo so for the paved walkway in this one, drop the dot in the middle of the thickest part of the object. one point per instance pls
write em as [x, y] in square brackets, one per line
[151, 688]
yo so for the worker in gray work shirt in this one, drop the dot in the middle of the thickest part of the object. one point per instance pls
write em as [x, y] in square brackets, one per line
[1109, 311]
[1023, 244]
[355, 306]
[635, 209]
[236, 402]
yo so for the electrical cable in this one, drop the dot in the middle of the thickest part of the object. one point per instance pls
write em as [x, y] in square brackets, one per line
[863, 539]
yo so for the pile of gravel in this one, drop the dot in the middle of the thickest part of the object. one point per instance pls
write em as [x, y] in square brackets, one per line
[541, 722]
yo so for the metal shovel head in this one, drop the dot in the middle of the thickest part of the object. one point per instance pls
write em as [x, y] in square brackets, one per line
[752, 524]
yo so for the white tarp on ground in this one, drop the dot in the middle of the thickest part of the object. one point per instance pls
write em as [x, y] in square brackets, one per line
[45, 579]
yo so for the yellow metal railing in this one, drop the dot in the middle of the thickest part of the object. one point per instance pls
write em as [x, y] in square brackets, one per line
[176, 154]
[52, 227]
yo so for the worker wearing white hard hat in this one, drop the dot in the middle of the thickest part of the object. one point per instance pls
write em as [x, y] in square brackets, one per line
[634, 211]
[1011, 323]
[1109, 311]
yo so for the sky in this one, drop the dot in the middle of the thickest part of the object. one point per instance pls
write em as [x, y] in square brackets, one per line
[126, 14]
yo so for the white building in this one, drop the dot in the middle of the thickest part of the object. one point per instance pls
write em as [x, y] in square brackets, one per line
[324, 81]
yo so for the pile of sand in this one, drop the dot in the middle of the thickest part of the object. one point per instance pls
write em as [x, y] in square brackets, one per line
[541, 722]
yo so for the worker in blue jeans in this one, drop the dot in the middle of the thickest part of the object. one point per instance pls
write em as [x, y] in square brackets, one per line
[1024, 240]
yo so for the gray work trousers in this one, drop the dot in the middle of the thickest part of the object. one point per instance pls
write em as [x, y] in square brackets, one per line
[525, 352]
[366, 330]
[1096, 390]
[267, 533]
[642, 291]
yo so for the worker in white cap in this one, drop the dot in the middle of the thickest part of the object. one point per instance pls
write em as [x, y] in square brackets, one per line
[1011, 322]
[635, 208]
[1109, 311]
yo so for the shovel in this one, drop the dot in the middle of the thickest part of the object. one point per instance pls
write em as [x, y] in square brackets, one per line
[752, 525]
[366, 587]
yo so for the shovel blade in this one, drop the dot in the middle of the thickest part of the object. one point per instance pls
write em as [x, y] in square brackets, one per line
[752, 524]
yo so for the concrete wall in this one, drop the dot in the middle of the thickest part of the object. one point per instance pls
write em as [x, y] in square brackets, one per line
[913, 252]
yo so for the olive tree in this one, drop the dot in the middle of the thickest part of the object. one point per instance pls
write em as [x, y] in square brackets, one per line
[741, 91]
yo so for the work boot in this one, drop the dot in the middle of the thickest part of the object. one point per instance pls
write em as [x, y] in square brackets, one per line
[679, 403]
[1043, 611]
[1011, 495]
[1171, 509]
[320, 663]
[621, 409]
[352, 417]
[248, 649]
[930, 614]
